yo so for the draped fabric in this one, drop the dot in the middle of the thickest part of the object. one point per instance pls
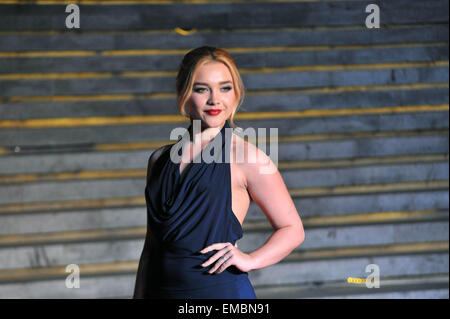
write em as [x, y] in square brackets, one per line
[185, 213]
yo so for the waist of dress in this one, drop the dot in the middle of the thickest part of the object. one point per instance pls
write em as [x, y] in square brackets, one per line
[172, 270]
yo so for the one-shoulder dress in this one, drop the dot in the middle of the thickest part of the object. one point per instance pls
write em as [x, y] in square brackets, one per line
[186, 213]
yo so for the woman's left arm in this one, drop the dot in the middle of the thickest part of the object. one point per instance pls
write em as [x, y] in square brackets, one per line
[268, 190]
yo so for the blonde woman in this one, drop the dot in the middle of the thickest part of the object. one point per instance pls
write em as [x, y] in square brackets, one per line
[195, 209]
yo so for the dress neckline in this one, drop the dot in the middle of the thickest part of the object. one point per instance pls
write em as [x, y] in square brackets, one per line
[181, 176]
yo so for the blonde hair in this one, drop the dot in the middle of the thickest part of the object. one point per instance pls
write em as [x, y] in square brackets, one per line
[189, 68]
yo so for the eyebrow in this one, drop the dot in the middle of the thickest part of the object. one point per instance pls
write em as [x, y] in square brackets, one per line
[201, 83]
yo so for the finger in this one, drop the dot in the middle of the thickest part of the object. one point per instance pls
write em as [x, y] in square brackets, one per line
[224, 265]
[220, 262]
[214, 247]
[216, 256]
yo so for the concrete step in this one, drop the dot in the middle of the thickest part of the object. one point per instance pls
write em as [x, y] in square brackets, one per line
[341, 236]
[430, 293]
[285, 165]
[323, 122]
[396, 289]
[324, 210]
[311, 178]
[255, 101]
[121, 280]
[86, 175]
[404, 287]
[108, 286]
[322, 202]
[221, 15]
[85, 215]
[47, 249]
[436, 195]
[320, 271]
[165, 48]
[419, 253]
[276, 78]
[117, 61]
[102, 164]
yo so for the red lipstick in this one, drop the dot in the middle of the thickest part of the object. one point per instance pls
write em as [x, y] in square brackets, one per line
[213, 112]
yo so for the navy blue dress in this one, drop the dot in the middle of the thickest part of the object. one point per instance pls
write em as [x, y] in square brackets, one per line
[186, 213]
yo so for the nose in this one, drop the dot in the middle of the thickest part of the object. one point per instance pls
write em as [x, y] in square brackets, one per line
[213, 97]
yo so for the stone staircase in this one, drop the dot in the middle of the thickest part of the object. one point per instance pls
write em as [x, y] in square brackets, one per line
[362, 116]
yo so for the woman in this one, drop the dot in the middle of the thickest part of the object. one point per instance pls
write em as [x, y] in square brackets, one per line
[195, 210]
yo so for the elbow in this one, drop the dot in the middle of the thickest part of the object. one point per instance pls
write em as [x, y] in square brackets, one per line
[303, 237]
[300, 232]
[296, 236]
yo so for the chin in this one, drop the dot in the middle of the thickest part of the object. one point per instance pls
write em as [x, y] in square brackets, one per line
[215, 121]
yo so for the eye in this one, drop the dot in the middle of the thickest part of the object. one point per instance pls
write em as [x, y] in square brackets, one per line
[199, 90]
[228, 88]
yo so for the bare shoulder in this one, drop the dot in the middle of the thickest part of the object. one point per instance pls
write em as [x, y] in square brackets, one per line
[250, 159]
[253, 169]
[266, 186]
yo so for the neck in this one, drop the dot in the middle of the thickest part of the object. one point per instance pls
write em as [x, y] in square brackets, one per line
[205, 134]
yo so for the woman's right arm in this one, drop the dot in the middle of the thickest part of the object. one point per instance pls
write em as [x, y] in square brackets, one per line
[151, 161]
[141, 282]
[153, 158]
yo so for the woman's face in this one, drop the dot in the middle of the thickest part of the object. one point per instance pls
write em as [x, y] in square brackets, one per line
[213, 90]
